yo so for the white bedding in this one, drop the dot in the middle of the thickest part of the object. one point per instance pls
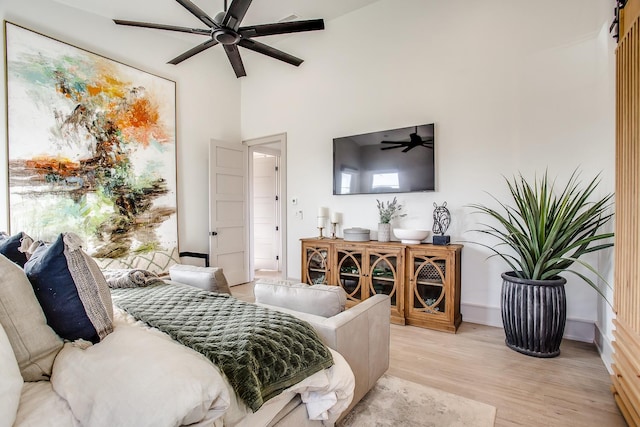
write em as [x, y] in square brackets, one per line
[41, 407]
[326, 394]
[135, 378]
[124, 381]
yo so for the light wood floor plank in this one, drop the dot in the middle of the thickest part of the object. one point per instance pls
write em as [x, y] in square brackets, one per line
[569, 390]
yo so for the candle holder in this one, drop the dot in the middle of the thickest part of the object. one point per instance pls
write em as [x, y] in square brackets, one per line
[333, 229]
[321, 223]
[336, 218]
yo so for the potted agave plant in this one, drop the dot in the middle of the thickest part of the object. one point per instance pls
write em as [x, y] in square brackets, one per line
[547, 232]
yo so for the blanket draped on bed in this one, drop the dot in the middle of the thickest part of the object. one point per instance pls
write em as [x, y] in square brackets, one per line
[130, 278]
[261, 351]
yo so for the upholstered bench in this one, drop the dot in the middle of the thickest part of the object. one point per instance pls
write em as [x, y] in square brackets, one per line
[360, 334]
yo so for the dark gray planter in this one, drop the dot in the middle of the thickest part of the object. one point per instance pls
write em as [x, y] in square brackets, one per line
[534, 313]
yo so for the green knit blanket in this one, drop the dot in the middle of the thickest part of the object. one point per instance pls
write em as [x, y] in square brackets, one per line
[261, 351]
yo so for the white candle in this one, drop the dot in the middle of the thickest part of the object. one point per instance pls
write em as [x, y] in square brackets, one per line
[323, 212]
[336, 217]
[321, 221]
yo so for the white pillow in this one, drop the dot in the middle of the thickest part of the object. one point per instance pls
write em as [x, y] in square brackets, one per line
[138, 378]
[10, 382]
[207, 278]
[321, 300]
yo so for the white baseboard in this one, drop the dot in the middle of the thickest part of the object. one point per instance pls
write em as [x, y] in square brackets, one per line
[604, 348]
[575, 329]
[490, 316]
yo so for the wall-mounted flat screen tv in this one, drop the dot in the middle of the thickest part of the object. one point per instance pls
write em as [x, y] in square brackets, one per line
[392, 161]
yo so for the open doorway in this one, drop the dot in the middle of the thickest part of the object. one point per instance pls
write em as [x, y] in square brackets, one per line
[267, 207]
[265, 219]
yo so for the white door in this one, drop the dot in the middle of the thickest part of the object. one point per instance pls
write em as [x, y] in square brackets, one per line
[265, 212]
[227, 210]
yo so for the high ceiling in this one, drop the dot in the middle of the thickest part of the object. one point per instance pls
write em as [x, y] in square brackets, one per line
[173, 14]
[260, 12]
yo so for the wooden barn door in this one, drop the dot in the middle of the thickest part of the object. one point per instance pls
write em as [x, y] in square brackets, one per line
[626, 358]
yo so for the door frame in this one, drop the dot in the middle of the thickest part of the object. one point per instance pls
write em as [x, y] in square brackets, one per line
[254, 145]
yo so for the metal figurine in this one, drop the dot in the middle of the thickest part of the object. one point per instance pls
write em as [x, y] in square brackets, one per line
[441, 222]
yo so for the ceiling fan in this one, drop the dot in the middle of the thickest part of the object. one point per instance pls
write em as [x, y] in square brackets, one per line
[225, 29]
[415, 140]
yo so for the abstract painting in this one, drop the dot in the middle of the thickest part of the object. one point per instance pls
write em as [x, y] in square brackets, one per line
[91, 147]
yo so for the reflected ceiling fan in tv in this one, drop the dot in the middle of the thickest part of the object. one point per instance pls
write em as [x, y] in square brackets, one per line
[225, 29]
[415, 140]
[393, 161]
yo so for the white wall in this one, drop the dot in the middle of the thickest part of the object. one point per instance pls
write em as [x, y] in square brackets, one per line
[511, 87]
[208, 96]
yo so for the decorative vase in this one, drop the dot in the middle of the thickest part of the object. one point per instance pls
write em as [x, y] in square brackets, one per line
[384, 232]
[534, 313]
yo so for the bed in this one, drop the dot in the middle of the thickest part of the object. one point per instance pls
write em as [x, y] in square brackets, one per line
[139, 376]
[125, 372]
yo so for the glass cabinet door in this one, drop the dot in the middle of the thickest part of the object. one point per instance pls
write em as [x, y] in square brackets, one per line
[317, 267]
[350, 277]
[429, 293]
[383, 274]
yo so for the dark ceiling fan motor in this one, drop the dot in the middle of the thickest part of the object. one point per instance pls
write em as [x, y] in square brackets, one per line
[225, 29]
[415, 140]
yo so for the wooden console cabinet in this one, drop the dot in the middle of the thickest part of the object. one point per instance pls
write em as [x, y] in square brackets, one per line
[316, 265]
[423, 281]
[366, 270]
[433, 286]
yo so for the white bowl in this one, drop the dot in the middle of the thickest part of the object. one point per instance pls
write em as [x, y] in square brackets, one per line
[410, 236]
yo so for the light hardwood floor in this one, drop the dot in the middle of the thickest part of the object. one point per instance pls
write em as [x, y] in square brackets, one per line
[569, 390]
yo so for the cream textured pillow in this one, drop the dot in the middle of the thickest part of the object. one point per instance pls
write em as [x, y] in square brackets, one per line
[157, 262]
[207, 278]
[34, 343]
[321, 300]
[10, 382]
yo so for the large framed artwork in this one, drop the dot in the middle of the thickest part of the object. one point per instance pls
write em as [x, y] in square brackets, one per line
[91, 147]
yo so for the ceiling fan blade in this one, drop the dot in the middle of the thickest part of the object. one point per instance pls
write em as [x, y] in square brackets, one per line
[188, 54]
[281, 28]
[270, 51]
[198, 13]
[163, 27]
[391, 148]
[235, 14]
[236, 61]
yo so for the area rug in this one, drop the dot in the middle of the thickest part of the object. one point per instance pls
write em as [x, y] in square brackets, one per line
[397, 402]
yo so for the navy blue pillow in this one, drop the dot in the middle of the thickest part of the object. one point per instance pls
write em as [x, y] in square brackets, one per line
[10, 246]
[71, 290]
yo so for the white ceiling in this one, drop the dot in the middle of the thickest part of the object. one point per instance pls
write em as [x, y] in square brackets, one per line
[172, 13]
